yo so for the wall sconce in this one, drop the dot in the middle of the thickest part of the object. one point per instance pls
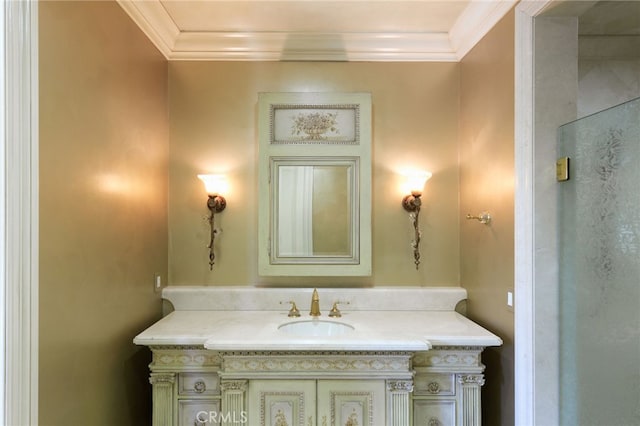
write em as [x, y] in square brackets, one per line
[415, 184]
[214, 185]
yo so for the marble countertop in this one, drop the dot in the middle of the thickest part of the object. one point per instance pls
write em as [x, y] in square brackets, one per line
[373, 331]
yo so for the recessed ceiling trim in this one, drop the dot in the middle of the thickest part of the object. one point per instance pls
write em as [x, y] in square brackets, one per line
[320, 56]
[273, 46]
[475, 21]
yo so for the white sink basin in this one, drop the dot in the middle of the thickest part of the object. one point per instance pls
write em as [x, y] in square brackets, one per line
[316, 328]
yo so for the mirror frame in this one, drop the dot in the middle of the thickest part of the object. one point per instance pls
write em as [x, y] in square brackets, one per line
[351, 258]
[356, 143]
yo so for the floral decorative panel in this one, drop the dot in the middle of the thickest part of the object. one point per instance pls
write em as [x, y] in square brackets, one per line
[308, 124]
[352, 413]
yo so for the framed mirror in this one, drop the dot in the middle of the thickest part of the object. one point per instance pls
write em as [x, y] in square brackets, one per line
[314, 184]
[314, 210]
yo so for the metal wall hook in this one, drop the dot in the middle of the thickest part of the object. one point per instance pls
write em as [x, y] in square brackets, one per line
[484, 217]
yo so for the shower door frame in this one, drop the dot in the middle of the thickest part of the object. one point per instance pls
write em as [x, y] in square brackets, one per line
[536, 272]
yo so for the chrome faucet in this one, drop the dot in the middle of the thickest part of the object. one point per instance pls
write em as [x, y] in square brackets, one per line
[315, 304]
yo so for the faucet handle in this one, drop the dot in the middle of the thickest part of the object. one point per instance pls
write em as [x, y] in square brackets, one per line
[335, 312]
[293, 312]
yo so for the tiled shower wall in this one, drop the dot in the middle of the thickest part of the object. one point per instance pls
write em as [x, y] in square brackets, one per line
[608, 72]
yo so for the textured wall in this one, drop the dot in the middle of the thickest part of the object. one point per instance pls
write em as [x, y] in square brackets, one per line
[487, 183]
[213, 129]
[103, 226]
[608, 72]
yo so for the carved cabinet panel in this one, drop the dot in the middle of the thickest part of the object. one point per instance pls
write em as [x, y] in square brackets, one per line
[351, 402]
[198, 412]
[440, 412]
[316, 402]
[282, 402]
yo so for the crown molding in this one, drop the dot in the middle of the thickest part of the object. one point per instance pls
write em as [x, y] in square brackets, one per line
[475, 22]
[290, 46]
[477, 19]
[152, 18]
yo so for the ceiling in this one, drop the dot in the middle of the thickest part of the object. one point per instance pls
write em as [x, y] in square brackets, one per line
[322, 30]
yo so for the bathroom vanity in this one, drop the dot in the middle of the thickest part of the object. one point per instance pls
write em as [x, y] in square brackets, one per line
[395, 357]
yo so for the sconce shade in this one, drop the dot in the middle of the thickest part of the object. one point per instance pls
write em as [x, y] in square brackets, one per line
[214, 184]
[415, 182]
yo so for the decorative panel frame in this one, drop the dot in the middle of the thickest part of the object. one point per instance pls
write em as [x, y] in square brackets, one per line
[351, 402]
[432, 412]
[282, 402]
[199, 412]
[320, 125]
[314, 123]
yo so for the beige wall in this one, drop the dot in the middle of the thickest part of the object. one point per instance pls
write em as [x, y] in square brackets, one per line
[487, 183]
[213, 129]
[103, 204]
[107, 226]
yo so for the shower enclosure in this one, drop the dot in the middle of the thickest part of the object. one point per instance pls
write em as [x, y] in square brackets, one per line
[599, 237]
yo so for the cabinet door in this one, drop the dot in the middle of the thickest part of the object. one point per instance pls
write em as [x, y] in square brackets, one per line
[434, 412]
[351, 403]
[198, 412]
[282, 402]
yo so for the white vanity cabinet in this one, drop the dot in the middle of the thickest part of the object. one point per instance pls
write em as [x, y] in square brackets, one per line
[193, 386]
[222, 358]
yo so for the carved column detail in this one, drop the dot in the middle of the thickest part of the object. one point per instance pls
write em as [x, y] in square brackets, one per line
[162, 390]
[398, 401]
[470, 409]
[233, 400]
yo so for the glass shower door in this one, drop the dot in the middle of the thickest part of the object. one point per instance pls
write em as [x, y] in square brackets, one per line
[599, 237]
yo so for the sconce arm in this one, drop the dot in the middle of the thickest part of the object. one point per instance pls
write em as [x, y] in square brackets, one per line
[416, 239]
[412, 204]
[215, 204]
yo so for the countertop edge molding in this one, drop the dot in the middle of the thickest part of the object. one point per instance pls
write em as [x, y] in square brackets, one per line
[205, 298]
